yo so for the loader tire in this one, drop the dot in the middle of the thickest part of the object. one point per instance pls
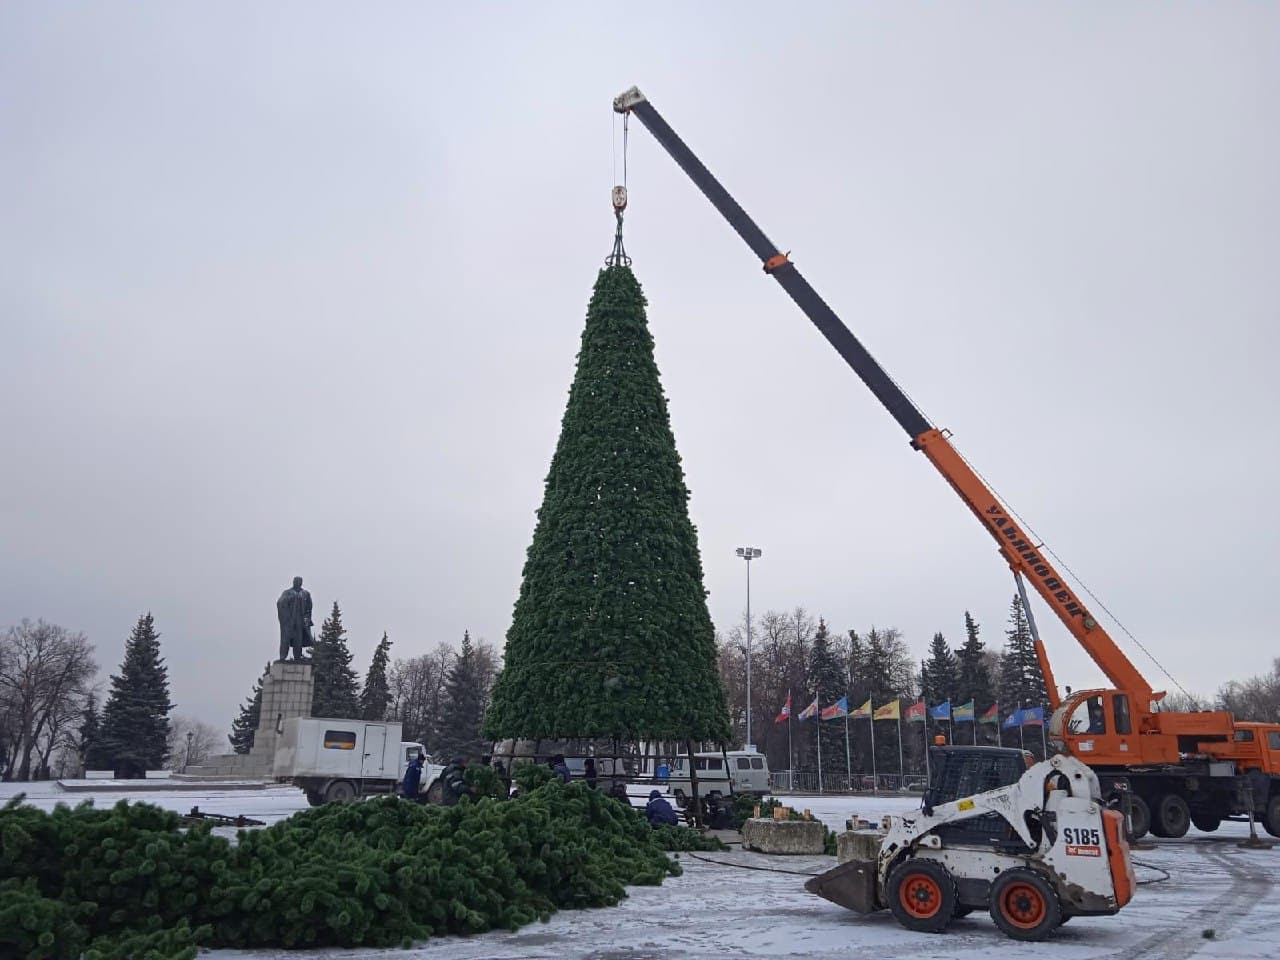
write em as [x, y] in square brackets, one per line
[921, 895]
[1139, 817]
[1271, 818]
[1171, 817]
[1024, 905]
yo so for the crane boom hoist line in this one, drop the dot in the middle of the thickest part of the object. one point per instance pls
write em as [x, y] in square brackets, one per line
[1015, 544]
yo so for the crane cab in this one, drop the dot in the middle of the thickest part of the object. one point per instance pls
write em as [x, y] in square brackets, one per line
[1102, 728]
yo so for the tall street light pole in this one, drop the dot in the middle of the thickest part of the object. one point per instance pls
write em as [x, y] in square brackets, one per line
[748, 554]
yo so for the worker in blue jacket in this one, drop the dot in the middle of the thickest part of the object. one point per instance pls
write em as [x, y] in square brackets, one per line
[659, 812]
[412, 778]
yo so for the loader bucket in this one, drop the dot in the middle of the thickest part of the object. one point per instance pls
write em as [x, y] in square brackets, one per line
[851, 885]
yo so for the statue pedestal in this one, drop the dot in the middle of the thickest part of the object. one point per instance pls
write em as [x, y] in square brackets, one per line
[286, 692]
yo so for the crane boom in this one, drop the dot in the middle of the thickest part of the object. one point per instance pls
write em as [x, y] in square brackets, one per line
[1022, 554]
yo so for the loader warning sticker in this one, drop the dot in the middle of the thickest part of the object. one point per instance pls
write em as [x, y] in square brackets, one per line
[965, 805]
[1082, 842]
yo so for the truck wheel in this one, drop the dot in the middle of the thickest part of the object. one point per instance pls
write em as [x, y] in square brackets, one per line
[1024, 905]
[340, 791]
[1139, 817]
[1206, 821]
[1171, 818]
[1271, 819]
[315, 798]
[921, 895]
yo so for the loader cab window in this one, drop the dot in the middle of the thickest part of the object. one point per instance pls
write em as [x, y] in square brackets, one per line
[1089, 717]
[1120, 712]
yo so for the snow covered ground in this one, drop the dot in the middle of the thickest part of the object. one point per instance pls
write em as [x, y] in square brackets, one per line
[724, 909]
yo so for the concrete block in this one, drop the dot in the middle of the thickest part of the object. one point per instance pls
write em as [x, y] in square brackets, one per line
[784, 836]
[858, 845]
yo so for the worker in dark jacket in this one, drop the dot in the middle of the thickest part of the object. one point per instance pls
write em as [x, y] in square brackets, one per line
[589, 772]
[658, 812]
[412, 778]
[560, 768]
[453, 779]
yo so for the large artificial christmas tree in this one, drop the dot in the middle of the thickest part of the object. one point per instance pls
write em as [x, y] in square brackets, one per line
[611, 636]
[376, 695]
[245, 724]
[135, 720]
[336, 692]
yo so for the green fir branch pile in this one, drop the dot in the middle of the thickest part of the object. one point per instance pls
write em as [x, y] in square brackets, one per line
[130, 883]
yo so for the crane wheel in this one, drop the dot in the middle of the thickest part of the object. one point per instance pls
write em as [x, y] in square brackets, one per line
[1271, 819]
[1024, 905]
[1171, 817]
[921, 895]
[1139, 817]
[1208, 822]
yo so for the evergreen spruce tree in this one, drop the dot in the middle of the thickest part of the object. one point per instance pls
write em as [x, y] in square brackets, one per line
[973, 681]
[611, 636]
[245, 725]
[829, 681]
[939, 676]
[1021, 680]
[376, 696]
[89, 736]
[462, 712]
[135, 720]
[337, 692]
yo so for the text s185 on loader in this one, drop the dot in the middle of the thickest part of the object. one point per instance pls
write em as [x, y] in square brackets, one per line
[1034, 848]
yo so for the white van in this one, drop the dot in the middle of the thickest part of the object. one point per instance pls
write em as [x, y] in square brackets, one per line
[748, 772]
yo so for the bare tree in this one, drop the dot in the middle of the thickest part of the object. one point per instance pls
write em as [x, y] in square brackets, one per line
[45, 674]
[206, 740]
[1257, 698]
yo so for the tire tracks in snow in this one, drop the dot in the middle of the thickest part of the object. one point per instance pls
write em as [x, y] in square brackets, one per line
[1250, 882]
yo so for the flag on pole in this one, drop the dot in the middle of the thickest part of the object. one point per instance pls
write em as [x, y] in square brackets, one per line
[992, 715]
[1033, 716]
[838, 709]
[916, 712]
[942, 711]
[810, 711]
[863, 712]
[1013, 720]
[785, 714]
[890, 711]
[963, 713]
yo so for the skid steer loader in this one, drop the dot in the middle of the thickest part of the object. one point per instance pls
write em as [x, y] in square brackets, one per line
[1034, 846]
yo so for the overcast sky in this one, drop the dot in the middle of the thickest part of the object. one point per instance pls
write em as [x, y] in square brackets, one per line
[297, 289]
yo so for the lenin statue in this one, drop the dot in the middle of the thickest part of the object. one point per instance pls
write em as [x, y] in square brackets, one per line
[294, 610]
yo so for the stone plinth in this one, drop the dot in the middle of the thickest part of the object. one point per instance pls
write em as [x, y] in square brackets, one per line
[286, 692]
[858, 845]
[784, 836]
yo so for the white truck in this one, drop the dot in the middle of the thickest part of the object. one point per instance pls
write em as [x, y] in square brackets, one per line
[747, 772]
[334, 760]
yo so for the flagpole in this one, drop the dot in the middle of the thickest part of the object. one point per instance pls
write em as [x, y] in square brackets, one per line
[1022, 743]
[902, 771]
[848, 755]
[791, 754]
[875, 783]
[818, 724]
[928, 775]
[999, 734]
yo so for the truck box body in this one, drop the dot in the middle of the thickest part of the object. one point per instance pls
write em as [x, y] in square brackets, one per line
[324, 748]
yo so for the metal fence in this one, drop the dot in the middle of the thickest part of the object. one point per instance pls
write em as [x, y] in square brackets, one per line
[806, 781]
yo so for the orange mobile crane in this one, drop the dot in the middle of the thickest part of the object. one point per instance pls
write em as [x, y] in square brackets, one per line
[1178, 768]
